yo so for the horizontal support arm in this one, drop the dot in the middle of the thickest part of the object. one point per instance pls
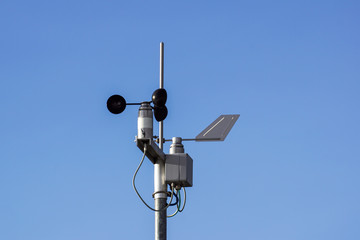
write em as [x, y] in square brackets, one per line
[153, 152]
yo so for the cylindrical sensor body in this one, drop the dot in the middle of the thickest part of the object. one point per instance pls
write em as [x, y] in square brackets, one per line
[176, 146]
[145, 122]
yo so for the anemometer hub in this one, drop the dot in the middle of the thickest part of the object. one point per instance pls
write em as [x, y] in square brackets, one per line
[145, 121]
[116, 104]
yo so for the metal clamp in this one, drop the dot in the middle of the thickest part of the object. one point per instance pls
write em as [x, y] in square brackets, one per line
[153, 195]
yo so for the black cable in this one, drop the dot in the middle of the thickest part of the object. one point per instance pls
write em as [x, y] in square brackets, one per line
[177, 200]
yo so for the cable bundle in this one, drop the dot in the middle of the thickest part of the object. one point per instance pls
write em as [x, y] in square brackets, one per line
[170, 194]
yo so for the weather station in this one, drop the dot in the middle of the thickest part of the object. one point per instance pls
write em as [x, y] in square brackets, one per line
[173, 171]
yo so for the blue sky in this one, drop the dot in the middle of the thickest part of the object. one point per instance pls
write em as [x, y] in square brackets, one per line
[289, 169]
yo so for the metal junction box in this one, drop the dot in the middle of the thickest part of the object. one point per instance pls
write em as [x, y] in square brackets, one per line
[179, 169]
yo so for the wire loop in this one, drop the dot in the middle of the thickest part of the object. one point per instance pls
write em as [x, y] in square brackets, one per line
[133, 183]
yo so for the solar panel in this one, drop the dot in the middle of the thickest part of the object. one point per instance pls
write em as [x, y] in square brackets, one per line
[219, 129]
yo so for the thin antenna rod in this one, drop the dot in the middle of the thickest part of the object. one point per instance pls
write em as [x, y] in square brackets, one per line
[161, 65]
[161, 124]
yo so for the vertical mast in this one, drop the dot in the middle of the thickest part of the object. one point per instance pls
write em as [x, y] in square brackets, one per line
[160, 189]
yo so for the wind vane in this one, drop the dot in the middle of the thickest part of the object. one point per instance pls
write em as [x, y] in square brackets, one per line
[176, 168]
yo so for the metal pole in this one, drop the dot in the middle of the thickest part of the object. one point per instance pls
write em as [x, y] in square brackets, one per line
[160, 188]
[161, 124]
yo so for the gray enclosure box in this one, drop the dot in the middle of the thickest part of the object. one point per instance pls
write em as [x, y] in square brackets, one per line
[179, 169]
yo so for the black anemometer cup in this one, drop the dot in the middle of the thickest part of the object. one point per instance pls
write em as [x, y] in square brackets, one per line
[116, 104]
[159, 98]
